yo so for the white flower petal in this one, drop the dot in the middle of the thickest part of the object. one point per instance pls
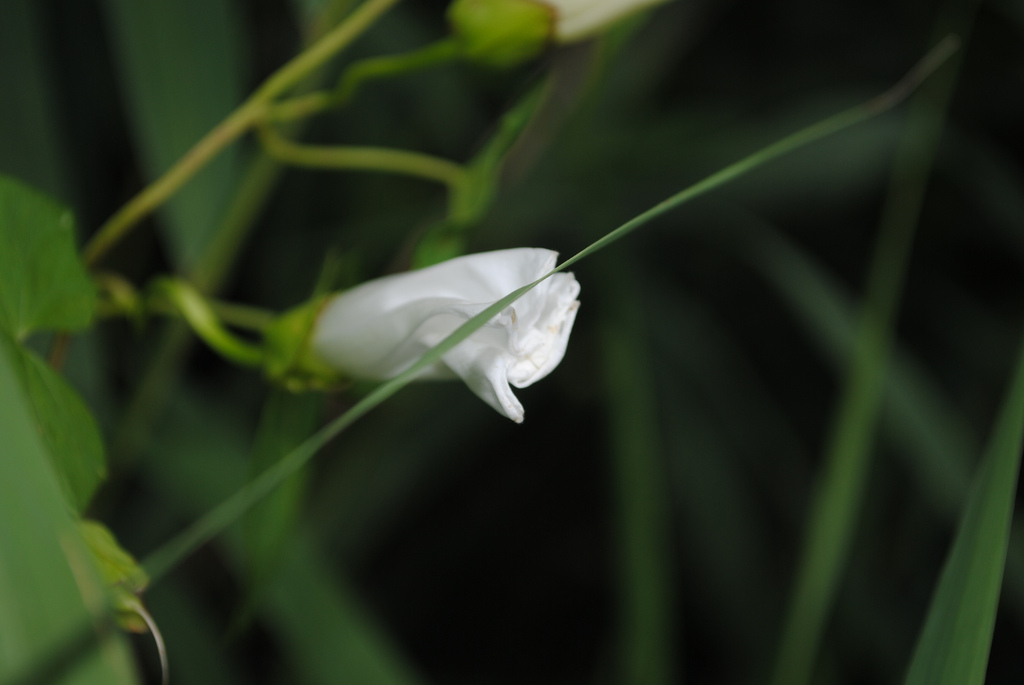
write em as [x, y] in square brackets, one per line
[576, 19]
[380, 328]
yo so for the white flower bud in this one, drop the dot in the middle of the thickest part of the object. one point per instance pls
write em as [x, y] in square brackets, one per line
[377, 330]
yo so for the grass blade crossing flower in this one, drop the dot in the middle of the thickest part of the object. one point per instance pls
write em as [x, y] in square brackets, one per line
[380, 328]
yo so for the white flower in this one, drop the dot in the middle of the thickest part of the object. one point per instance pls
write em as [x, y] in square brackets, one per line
[576, 19]
[379, 329]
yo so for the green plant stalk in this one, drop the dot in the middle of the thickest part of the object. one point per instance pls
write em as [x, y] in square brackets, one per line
[476, 196]
[337, 39]
[362, 159]
[839, 493]
[201, 317]
[212, 524]
[360, 73]
[160, 190]
[242, 316]
[229, 130]
[208, 276]
[472, 198]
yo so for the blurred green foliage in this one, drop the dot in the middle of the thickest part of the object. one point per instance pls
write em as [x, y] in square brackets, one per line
[644, 524]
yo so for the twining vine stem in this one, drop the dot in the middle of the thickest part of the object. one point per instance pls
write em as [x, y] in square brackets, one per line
[236, 124]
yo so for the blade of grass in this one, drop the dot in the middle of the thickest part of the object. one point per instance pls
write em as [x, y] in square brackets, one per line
[320, 623]
[380, 473]
[641, 499]
[953, 646]
[285, 422]
[934, 437]
[163, 559]
[922, 424]
[837, 498]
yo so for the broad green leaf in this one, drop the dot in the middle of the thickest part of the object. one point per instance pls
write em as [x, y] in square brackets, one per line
[179, 68]
[43, 285]
[65, 424]
[954, 644]
[29, 141]
[51, 596]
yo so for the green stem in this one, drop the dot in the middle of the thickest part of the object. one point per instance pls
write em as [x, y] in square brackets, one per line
[118, 296]
[121, 299]
[204, 321]
[292, 73]
[210, 272]
[229, 130]
[222, 516]
[160, 190]
[362, 158]
[361, 72]
[242, 316]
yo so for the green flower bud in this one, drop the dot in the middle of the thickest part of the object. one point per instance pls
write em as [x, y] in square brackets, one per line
[501, 33]
[504, 33]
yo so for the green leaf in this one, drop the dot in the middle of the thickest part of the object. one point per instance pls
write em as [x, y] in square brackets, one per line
[179, 68]
[954, 644]
[65, 424]
[124, 579]
[43, 285]
[52, 601]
